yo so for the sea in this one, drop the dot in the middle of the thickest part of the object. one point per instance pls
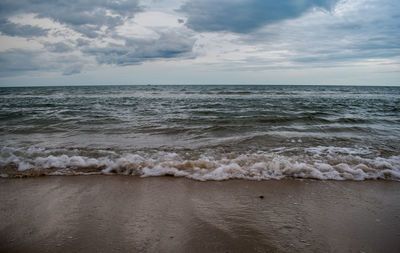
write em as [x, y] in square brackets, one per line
[202, 132]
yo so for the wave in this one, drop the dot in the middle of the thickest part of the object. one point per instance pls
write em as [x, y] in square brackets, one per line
[323, 163]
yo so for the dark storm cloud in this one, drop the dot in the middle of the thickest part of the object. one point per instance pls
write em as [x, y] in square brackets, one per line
[243, 16]
[17, 30]
[84, 16]
[169, 45]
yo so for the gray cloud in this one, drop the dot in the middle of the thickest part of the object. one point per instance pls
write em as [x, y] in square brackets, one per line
[371, 33]
[59, 47]
[73, 69]
[53, 58]
[243, 16]
[170, 44]
[355, 33]
[91, 19]
[17, 30]
[84, 16]
[16, 62]
[81, 42]
[270, 34]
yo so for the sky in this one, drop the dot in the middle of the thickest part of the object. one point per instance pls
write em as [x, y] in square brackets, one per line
[96, 42]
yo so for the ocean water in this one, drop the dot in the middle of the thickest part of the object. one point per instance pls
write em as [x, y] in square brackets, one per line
[203, 132]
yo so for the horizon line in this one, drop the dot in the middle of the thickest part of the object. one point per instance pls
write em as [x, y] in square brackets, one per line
[193, 84]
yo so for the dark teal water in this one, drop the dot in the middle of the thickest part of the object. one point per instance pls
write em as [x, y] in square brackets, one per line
[202, 132]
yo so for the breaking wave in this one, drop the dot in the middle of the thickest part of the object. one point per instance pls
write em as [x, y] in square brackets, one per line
[324, 163]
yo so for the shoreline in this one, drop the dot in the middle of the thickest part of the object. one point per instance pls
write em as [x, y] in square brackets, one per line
[48, 173]
[168, 214]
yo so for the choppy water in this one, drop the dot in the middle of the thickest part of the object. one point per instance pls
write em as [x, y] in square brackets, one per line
[202, 132]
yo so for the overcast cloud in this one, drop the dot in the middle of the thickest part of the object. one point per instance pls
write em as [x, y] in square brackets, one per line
[244, 16]
[227, 41]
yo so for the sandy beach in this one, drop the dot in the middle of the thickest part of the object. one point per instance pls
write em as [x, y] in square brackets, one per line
[165, 214]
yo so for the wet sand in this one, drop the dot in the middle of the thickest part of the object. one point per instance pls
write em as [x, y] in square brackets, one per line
[165, 214]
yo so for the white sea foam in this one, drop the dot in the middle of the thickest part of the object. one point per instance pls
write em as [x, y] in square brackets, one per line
[325, 163]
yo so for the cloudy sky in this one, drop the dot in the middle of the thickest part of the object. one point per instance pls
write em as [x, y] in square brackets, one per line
[75, 42]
